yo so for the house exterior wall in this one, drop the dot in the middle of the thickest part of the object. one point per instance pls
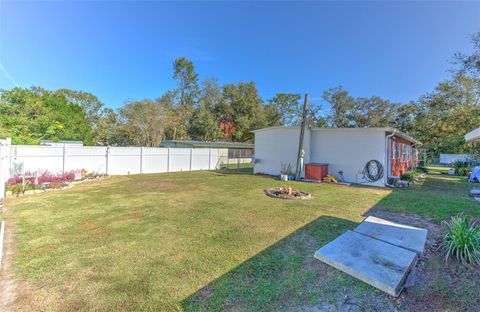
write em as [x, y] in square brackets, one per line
[349, 150]
[402, 155]
[276, 146]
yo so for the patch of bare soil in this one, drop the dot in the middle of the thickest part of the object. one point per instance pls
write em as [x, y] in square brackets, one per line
[435, 285]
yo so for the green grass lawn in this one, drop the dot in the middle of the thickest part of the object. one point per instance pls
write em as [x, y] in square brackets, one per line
[199, 241]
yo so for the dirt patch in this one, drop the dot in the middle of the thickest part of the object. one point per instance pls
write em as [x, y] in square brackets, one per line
[435, 285]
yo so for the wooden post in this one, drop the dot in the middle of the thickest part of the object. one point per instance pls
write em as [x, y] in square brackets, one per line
[298, 172]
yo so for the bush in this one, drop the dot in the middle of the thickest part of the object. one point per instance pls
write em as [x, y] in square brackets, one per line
[462, 240]
[461, 168]
[462, 171]
[407, 176]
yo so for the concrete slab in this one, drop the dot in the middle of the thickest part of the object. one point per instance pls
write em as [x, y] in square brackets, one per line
[475, 192]
[400, 235]
[370, 260]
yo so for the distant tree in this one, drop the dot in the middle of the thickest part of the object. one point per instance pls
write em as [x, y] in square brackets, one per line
[204, 127]
[372, 112]
[243, 107]
[187, 92]
[405, 117]
[469, 64]
[89, 102]
[272, 115]
[341, 104]
[287, 104]
[31, 115]
[211, 97]
[142, 123]
[106, 129]
[444, 116]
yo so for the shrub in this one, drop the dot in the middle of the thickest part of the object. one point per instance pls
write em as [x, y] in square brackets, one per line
[462, 171]
[407, 176]
[16, 189]
[462, 240]
[461, 168]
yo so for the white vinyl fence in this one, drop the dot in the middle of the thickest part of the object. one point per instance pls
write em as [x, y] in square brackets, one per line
[109, 160]
[4, 168]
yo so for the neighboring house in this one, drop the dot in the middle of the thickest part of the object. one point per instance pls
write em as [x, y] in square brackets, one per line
[473, 136]
[448, 159]
[236, 151]
[61, 143]
[345, 150]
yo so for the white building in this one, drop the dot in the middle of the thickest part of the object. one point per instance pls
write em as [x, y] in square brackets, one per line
[344, 149]
[448, 159]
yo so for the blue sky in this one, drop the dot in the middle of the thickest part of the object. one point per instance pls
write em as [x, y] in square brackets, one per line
[122, 50]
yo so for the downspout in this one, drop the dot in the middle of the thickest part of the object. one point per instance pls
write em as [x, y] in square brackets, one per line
[387, 159]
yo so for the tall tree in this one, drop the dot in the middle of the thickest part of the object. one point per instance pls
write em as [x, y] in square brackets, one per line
[106, 129]
[372, 112]
[405, 117]
[445, 115]
[204, 127]
[288, 106]
[142, 122]
[187, 92]
[90, 103]
[469, 64]
[341, 103]
[243, 108]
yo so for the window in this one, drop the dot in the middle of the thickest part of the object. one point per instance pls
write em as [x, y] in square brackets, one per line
[405, 152]
[240, 152]
[396, 150]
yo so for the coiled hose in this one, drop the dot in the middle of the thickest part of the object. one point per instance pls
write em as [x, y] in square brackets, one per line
[373, 171]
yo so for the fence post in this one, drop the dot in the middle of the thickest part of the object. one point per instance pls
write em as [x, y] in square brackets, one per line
[209, 157]
[191, 150]
[107, 153]
[141, 158]
[4, 166]
[168, 159]
[63, 159]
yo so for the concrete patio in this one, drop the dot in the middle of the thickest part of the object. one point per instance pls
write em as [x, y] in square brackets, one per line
[378, 252]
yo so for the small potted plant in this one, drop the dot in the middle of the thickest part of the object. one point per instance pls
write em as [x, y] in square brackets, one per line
[285, 171]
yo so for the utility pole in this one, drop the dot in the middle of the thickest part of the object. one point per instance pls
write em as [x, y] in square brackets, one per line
[300, 143]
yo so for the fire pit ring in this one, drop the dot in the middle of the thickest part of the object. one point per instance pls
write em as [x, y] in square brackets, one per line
[287, 193]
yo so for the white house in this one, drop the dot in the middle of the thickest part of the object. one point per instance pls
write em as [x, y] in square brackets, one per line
[451, 158]
[345, 150]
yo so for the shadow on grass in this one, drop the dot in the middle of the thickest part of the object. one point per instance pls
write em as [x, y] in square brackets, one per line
[285, 275]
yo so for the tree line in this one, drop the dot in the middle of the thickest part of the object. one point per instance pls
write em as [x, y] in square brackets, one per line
[209, 111]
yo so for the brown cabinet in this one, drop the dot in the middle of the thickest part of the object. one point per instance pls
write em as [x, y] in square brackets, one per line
[316, 171]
